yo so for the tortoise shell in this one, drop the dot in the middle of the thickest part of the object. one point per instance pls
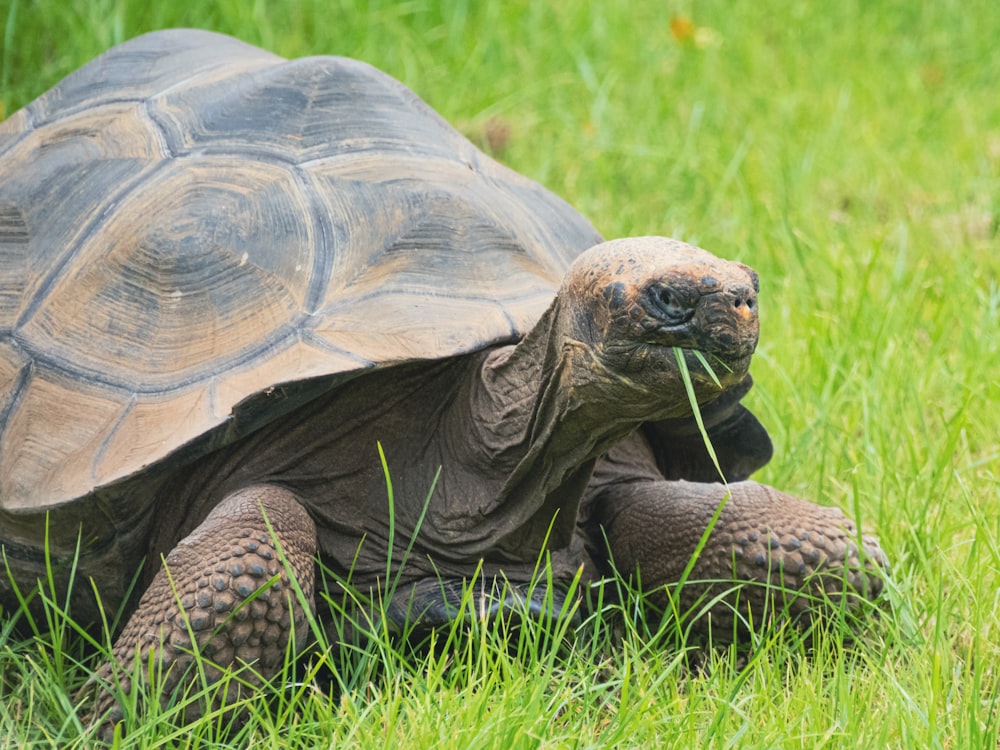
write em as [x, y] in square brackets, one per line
[197, 235]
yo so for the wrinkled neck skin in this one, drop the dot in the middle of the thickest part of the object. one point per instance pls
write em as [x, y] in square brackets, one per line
[542, 412]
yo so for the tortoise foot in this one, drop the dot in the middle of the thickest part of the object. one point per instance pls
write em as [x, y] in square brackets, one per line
[222, 601]
[768, 556]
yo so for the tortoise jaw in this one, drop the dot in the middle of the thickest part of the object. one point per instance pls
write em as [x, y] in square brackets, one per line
[720, 343]
[716, 370]
[716, 367]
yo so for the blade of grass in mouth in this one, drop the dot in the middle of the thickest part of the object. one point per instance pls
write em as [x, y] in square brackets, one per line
[689, 388]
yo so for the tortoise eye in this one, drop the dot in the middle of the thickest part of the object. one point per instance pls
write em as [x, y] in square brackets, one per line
[670, 305]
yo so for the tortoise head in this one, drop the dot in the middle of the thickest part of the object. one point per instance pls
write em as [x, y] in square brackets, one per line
[631, 302]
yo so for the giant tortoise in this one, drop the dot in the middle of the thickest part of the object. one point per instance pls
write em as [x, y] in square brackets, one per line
[227, 278]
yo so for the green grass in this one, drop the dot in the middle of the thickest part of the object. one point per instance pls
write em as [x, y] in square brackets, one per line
[848, 151]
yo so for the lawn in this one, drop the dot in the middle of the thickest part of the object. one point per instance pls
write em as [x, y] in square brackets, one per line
[850, 153]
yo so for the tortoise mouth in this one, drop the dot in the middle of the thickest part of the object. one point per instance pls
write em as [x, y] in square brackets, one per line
[653, 360]
[724, 367]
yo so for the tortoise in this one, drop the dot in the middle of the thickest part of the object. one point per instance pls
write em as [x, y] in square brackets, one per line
[228, 280]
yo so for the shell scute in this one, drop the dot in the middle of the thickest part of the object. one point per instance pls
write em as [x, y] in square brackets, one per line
[196, 236]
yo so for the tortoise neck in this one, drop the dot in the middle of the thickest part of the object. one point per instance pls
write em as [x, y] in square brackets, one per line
[543, 412]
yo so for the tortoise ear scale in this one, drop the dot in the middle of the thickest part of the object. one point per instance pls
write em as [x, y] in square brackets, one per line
[754, 277]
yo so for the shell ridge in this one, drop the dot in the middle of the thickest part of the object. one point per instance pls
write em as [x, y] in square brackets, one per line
[18, 386]
[324, 240]
[239, 67]
[310, 338]
[80, 239]
[108, 438]
[281, 339]
[152, 116]
[14, 246]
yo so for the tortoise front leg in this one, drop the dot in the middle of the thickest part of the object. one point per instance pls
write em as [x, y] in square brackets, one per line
[226, 585]
[767, 553]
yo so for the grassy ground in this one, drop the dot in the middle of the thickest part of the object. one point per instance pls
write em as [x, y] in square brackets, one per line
[850, 152]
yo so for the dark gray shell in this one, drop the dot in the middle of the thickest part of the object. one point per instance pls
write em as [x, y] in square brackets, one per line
[187, 223]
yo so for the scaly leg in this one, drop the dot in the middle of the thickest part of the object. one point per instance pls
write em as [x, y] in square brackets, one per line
[767, 551]
[225, 584]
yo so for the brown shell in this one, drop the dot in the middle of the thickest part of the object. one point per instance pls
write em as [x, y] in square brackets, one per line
[188, 222]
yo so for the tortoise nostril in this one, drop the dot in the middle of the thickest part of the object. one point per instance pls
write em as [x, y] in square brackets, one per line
[744, 298]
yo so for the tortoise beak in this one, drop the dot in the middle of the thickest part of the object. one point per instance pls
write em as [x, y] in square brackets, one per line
[728, 321]
[728, 330]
